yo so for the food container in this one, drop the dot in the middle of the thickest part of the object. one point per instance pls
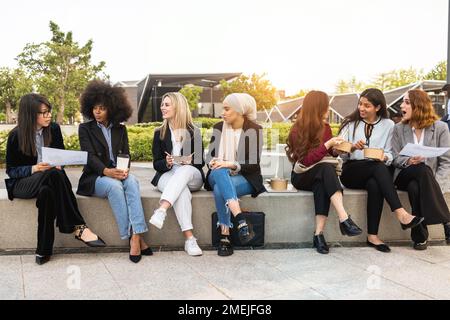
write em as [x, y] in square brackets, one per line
[344, 146]
[278, 184]
[373, 153]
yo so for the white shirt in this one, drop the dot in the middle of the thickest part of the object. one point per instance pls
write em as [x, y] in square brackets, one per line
[422, 136]
[176, 145]
[381, 138]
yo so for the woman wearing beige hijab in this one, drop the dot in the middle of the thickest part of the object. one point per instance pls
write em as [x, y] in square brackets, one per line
[234, 170]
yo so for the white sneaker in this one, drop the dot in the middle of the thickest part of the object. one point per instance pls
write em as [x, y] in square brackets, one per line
[158, 218]
[192, 248]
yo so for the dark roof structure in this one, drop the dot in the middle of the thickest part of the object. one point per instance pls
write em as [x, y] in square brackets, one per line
[344, 104]
[152, 87]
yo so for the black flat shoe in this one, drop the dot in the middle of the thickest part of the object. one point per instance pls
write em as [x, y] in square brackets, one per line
[349, 228]
[414, 223]
[320, 244]
[225, 248]
[245, 232]
[40, 260]
[420, 246]
[447, 232]
[380, 247]
[99, 243]
[147, 252]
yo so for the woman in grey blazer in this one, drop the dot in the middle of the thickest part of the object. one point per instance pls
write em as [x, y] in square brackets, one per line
[425, 179]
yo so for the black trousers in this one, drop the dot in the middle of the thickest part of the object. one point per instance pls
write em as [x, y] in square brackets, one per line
[323, 181]
[376, 178]
[426, 198]
[54, 200]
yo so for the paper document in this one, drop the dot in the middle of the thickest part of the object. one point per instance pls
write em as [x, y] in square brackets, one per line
[59, 157]
[414, 150]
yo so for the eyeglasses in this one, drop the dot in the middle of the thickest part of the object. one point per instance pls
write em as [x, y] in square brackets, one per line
[45, 114]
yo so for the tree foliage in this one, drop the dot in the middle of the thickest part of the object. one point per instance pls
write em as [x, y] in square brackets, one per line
[14, 83]
[256, 85]
[60, 69]
[192, 94]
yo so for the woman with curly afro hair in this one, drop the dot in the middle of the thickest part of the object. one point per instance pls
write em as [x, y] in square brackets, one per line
[105, 138]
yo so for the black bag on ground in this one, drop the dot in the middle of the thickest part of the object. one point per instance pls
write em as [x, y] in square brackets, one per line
[256, 219]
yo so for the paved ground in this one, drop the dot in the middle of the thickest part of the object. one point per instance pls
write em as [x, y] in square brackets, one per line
[347, 273]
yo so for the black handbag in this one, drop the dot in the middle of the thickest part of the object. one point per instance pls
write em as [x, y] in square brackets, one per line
[256, 219]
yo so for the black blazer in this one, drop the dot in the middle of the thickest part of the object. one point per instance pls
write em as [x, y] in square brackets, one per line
[19, 165]
[250, 168]
[94, 143]
[194, 144]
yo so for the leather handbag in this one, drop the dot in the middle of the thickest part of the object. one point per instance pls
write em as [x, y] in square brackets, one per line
[256, 219]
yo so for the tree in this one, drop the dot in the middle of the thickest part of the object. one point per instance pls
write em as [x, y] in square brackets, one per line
[192, 94]
[13, 84]
[439, 72]
[397, 78]
[299, 94]
[61, 69]
[350, 86]
[255, 85]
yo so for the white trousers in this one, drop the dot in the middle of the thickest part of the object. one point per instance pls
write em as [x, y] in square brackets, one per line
[176, 186]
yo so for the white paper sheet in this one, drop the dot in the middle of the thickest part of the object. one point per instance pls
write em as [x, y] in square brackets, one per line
[415, 150]
[58, 157]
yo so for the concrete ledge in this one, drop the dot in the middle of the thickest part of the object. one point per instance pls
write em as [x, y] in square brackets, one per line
[289, 221]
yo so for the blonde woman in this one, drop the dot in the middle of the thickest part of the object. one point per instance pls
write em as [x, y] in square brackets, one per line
[176, 178]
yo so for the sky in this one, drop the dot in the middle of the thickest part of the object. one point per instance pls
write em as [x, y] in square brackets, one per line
[300, 44]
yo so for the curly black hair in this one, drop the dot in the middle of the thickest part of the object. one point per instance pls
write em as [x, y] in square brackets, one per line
[114, 99]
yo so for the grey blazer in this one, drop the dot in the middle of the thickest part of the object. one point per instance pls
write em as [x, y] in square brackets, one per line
[436, 135]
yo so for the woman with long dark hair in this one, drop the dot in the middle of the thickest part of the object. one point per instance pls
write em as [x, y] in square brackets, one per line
[369, 126]
[105, 138]
[309, 141]
[30, 178]
[425, 179]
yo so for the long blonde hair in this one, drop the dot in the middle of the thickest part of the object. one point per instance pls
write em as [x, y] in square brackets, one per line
[183, 117]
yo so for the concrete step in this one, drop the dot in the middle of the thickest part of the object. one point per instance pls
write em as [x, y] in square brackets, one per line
[289, 220]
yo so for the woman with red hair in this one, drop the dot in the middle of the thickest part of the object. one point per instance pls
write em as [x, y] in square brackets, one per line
[425, 179]
[309, 141]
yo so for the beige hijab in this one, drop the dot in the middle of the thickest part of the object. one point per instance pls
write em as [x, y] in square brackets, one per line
[245, 105]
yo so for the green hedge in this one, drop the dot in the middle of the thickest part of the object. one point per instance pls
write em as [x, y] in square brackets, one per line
[141, 137]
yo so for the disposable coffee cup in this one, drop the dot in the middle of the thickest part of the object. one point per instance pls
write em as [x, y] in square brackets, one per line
[123, 162]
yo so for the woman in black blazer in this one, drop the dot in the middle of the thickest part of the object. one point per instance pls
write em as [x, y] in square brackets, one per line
[104, 138]
[177, 180]
[30, 178]
[234, 171]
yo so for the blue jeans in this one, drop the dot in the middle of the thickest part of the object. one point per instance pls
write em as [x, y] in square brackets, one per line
[227, 188]
[125, 200]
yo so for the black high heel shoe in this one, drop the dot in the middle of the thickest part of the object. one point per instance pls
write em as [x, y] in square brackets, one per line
[137, 258]
[99, 243]
[147, 252]
[320, 244]
[40, 260]
[414, 223]
[349, 228]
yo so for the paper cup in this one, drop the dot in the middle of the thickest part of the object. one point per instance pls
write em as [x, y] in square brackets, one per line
[278, 184]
